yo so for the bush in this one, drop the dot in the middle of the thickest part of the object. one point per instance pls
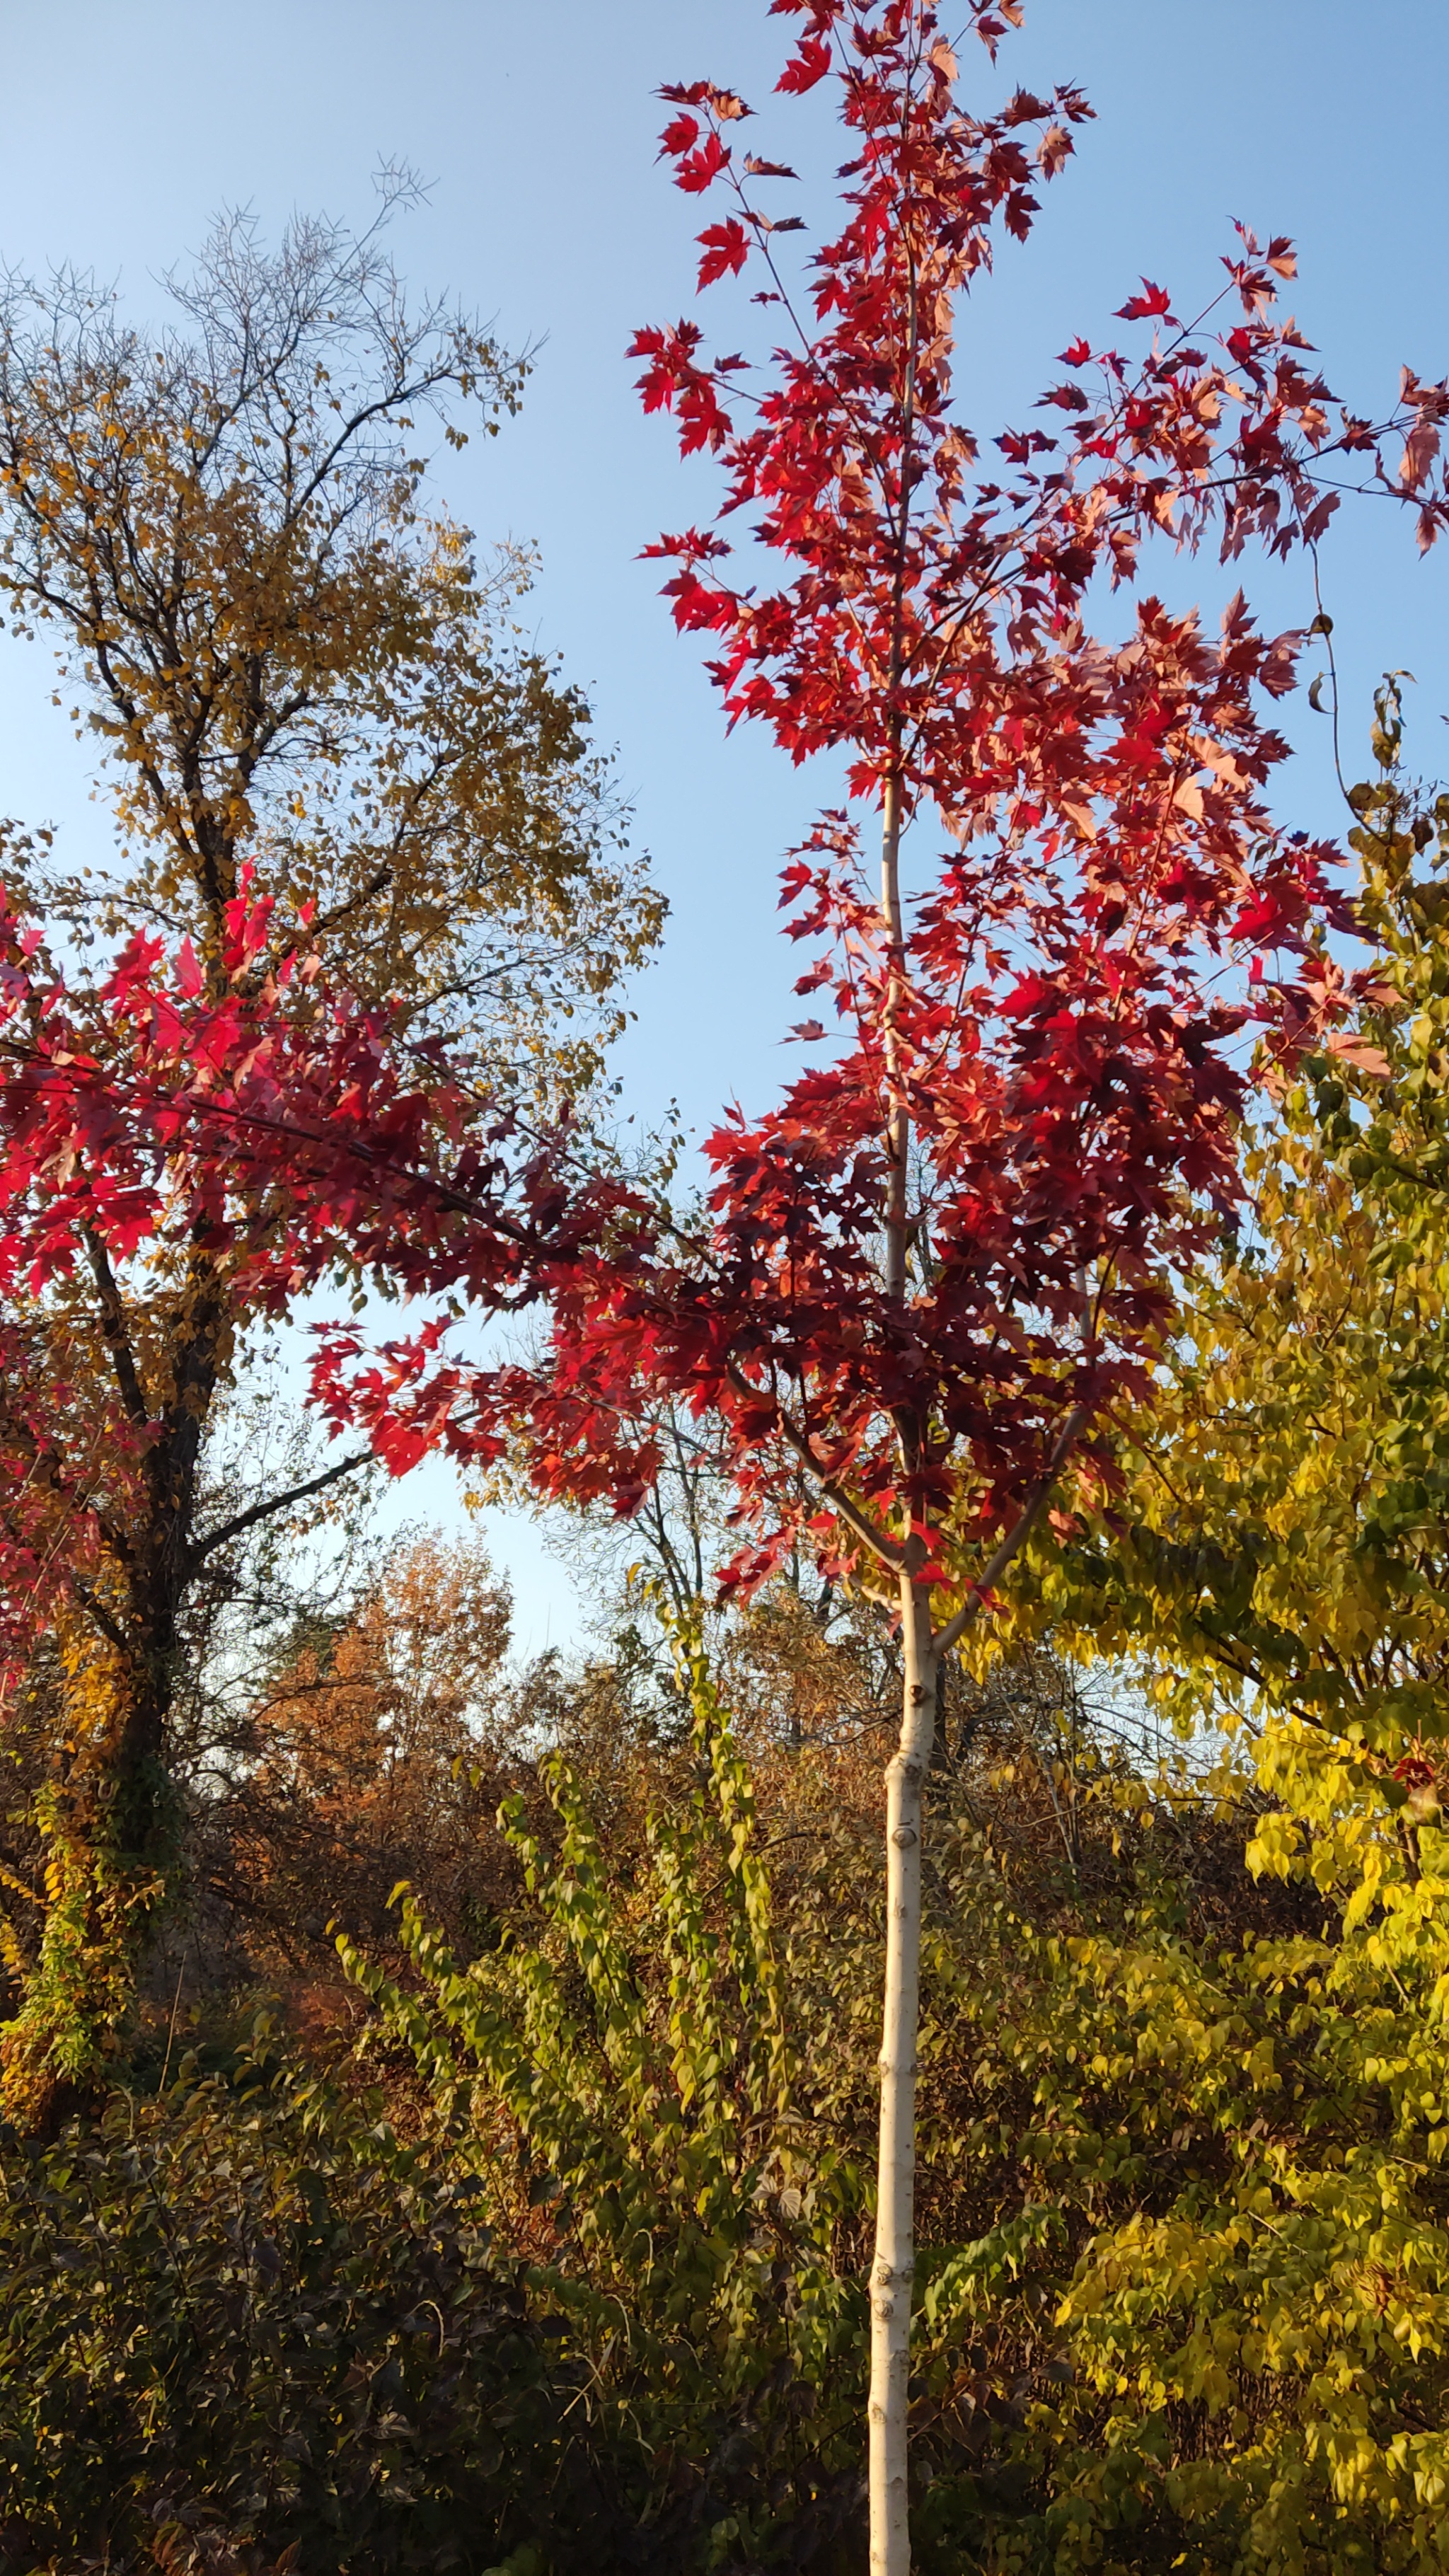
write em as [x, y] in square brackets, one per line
[623, 2070]
[1184, 2287]
[1183, 2293]
[240, 2329]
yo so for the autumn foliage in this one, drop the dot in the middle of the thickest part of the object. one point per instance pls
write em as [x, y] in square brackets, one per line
[930, 1272]
[1049, 1010]
[962, 1339]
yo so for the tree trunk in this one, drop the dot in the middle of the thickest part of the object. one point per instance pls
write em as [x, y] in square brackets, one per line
[892, 2273]
[109, 1822]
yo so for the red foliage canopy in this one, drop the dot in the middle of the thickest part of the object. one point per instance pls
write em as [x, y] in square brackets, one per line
[1057, 1020]
[157, 1138]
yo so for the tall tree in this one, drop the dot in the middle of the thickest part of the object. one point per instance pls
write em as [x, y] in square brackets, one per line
[315, 713]
[925, 1275]
[922, 1279]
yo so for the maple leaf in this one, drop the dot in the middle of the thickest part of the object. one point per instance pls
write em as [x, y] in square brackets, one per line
[807, 67]
[1421, 446]
[1355, 1050]
[697, 171]
[400, 1445]
[1153, 300]
[726, 248]
[1054, 150]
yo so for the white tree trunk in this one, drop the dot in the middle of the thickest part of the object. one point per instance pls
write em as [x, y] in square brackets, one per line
[892, 2274]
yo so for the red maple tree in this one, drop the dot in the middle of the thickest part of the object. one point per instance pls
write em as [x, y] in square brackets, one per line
[925, 1274]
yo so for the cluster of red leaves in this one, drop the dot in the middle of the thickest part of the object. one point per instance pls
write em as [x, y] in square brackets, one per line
[1075, 1113]
[931, 599]
[167, 1147]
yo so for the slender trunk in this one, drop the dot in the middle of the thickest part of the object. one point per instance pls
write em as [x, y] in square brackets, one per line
[898, 1129]
[893, 2271]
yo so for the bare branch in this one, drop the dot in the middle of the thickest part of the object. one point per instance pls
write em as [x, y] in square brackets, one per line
[1017, 1535]
[205, 1547]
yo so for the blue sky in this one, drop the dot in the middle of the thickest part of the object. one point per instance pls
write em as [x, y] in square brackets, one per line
[124, 130]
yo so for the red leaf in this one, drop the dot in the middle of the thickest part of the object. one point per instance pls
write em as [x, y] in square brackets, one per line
[726, 248]
[1421, 446]
[399, 1445]
[1358, 1051]
[807, 65]
[699, 170]
[1152, 301]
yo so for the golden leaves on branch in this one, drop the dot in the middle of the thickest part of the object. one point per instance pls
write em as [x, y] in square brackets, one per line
[290, 661]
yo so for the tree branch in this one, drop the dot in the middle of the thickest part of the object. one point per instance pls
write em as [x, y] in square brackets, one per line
[850, 1512]
[1017, 1535]
[113, 1327]
[205, 1547]
[95, 1609]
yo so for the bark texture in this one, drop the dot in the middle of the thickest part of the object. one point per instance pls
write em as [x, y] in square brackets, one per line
[893, 2270]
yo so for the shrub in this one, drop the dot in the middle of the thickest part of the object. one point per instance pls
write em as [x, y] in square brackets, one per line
[623, 2068]
[241, 2328]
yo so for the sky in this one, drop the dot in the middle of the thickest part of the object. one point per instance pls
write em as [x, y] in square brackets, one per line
[125, 130]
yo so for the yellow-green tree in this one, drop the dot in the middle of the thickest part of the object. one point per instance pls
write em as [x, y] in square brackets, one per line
[1259, 2342]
